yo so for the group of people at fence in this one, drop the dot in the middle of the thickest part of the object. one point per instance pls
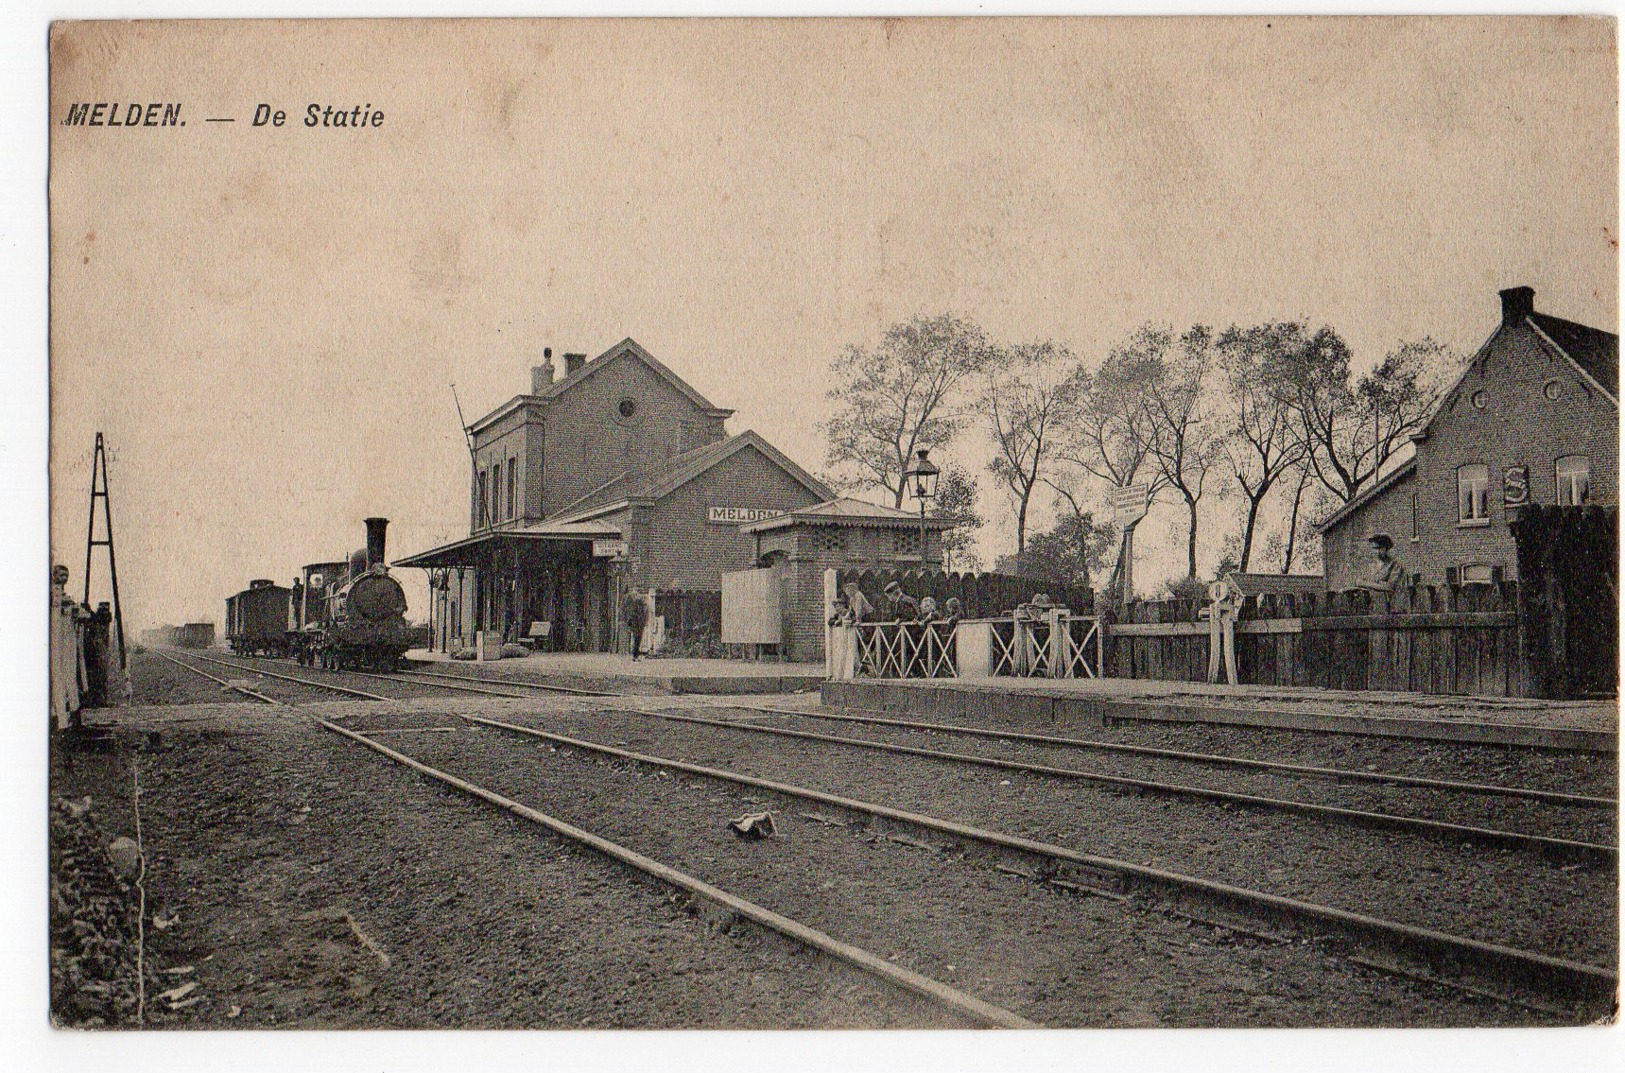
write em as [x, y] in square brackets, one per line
[905, 637]
[86, 666]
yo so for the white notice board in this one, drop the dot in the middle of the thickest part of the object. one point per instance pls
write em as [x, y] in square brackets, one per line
[750, 608]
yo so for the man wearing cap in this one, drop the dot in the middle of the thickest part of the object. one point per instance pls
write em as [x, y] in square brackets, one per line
[1385, 573]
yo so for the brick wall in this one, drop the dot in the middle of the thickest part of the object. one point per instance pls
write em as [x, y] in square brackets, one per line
[589, 443]
[681, 550]
[1346, 553]
[816, 548]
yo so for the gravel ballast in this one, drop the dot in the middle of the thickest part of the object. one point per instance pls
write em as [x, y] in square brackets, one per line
[1492, 894]
[1059, 959]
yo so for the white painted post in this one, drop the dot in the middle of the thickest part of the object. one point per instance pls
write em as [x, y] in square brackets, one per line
[830, 591]
[1059, 635]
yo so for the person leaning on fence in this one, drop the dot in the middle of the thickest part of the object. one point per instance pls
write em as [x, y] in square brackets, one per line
[1385, 573]
[904, 608]
[635, 614]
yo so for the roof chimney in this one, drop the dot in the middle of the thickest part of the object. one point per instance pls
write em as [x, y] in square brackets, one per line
[1516, 304]
[542, 375]
[573, 363]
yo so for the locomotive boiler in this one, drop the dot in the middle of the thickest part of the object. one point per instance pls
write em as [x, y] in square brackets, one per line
[354, 613]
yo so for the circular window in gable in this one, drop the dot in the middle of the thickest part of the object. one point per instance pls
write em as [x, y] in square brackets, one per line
[627, 409]
[1553, 390]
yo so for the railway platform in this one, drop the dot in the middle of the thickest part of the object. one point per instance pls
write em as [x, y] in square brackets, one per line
[1589, 726]
[719, 676]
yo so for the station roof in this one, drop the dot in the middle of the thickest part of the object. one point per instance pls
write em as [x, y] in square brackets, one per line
[847, 511]
[470, 550]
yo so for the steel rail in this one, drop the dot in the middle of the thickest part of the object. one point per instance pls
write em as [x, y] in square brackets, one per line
[1218, 759]
[244, 690]
[1489, 789]
[519, 684]
[1500, 964]
[406, 679]
[1561, 847]
[934, 990]
[363, 694]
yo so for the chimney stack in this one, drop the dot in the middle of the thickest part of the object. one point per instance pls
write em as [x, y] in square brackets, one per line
[573, 363]
[375, 541]
[542, 375]
[1516, 304]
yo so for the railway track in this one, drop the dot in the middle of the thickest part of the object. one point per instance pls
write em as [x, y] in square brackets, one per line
[1470, 964]
[1561, 848]
[1478, 966]
[974, 1010]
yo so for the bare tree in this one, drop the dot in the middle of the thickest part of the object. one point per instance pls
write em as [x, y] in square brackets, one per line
[905, 394]
[1351, 429]
[1029, 397]
[1111, 434]
[1260, 445]
[1184, 442]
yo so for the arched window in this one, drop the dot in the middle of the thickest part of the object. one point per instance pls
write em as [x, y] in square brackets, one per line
[1473, 494]
[1573, 480]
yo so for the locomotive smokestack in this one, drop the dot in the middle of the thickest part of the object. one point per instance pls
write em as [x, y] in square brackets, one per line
[375, 541]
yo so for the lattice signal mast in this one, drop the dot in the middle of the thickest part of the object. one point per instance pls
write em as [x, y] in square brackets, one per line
[98, 490]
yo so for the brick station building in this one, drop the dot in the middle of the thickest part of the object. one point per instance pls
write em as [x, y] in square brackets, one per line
[1533, 418]
[617, 475]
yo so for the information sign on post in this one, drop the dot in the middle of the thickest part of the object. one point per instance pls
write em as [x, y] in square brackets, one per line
[1129, 505]
[609, 549]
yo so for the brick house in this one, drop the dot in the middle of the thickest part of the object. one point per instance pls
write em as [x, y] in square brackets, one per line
[617, 476]
[1533, 418]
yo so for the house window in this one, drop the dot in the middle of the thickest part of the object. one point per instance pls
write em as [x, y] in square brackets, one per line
[1416, 515]
[1473, 494]
[479, 500]
[513, 485]
[496, 492]
[1477, 574]
[1573, 480]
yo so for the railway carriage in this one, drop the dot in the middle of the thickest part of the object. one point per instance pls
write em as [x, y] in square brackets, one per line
[257, 620]
[195, 635]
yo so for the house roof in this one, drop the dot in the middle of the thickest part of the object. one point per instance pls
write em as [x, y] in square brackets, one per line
[1366, 496]
[626, 349]
[847, 511]
[657, 482]
[1595, 351]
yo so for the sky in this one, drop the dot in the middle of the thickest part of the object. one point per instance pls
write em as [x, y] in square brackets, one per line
[265, 321]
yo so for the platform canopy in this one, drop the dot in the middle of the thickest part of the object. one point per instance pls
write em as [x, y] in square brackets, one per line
[478, 549]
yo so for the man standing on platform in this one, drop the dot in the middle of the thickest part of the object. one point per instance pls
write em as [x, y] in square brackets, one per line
[635, 613]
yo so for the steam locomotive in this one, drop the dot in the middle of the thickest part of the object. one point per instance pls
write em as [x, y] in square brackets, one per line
[339, 615]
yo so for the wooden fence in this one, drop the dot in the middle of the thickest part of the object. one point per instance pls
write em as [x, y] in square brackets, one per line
[980, 595]
[1461, 639]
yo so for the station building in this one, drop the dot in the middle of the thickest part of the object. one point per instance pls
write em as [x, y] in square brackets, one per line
[1533, 418]
[609, 476]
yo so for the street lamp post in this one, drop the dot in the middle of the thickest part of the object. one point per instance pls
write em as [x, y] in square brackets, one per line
[921, 480]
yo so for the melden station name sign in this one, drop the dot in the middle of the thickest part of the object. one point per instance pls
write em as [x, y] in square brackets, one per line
[738, 515]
